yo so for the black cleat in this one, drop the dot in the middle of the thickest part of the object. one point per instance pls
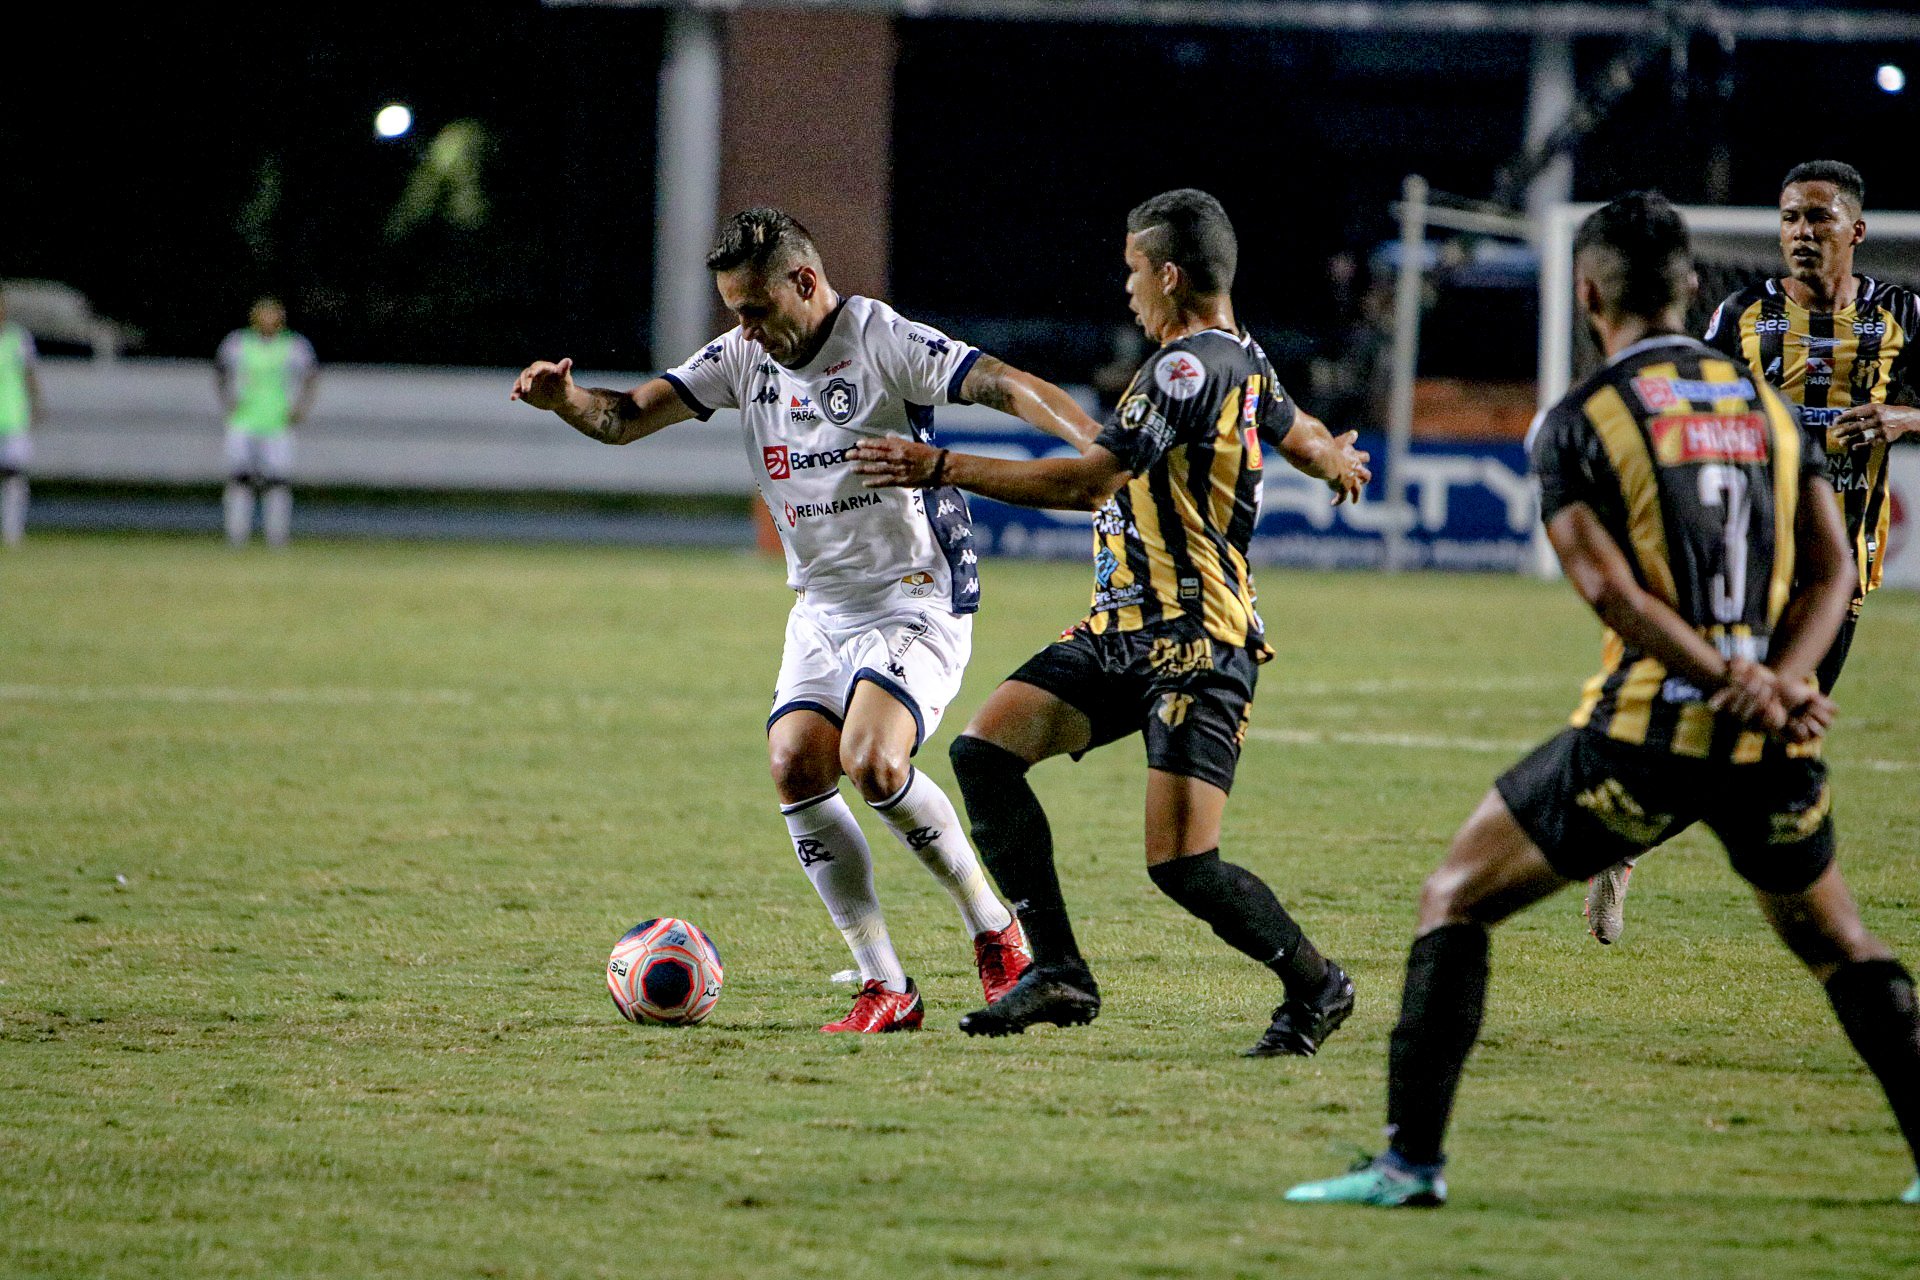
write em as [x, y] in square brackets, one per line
[1064, 995]
[1300, 1028]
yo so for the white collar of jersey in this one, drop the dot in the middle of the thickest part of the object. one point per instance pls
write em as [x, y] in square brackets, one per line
[1657, 340]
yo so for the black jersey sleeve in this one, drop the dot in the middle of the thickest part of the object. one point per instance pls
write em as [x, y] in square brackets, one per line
[1723, 327]
[1569, 461]
[1173, 399]
[1277, 411]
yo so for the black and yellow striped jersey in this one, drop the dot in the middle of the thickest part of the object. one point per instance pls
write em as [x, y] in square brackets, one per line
[1695, 468]
[1172, 542]
[1827, 362]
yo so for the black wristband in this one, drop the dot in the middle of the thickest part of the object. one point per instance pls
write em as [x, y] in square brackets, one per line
[939, 469]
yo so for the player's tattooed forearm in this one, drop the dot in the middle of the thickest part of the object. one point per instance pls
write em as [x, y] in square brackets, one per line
[606, 419]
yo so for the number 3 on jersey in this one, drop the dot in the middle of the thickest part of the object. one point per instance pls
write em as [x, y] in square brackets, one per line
[1725, 488]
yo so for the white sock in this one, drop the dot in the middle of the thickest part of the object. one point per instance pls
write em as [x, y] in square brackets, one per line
[276, 514]
[834, 855]
[239, 507]
[13, 510]
[924, 819]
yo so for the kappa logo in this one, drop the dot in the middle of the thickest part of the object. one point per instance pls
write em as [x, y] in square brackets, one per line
[1173, 709]
[1179, 375]
[811, 851]
[769, 394]
[841, 400]
[947, 507]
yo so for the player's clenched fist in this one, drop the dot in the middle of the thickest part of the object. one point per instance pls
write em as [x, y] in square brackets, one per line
[544, 384]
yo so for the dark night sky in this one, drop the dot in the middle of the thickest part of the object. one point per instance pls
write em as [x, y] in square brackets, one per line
[132, 153]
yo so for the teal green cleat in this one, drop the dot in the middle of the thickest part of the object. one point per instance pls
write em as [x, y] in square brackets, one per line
[1380, 1182]
[1912, 1195]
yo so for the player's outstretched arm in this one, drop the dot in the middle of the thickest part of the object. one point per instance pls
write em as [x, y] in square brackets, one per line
[1035, 401]
[611, 417]
[1313, 450]
[1599, 571]
[1056, 484]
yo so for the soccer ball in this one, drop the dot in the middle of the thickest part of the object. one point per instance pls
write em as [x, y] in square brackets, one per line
[664, 971]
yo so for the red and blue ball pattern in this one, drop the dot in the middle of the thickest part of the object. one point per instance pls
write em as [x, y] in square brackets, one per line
[664, 971]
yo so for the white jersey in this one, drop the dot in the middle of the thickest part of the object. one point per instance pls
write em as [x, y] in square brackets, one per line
[849, 548]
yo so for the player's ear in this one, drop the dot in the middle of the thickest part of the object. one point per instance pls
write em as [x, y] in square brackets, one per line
[1170, 278]
[805, 281]
[1859, 230]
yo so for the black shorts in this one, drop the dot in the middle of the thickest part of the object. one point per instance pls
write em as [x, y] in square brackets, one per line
[1187, 693]
[1588, 801]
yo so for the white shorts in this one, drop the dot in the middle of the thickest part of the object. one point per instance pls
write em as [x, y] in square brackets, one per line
[917, 655]
[16, 451]
[262, 459]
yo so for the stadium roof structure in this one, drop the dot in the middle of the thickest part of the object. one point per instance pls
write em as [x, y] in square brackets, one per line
[1858, 20]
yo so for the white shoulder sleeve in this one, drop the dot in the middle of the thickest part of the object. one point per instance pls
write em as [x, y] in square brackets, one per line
[924, 365]
[228, 356]
[709, 379]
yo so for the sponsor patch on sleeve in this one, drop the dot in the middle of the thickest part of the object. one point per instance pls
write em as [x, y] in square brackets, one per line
[1179, 375]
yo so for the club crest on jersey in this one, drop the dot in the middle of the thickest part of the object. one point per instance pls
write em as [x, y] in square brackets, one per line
[1179, 375]
[1709, 437]
[801, 410]
[841, 400]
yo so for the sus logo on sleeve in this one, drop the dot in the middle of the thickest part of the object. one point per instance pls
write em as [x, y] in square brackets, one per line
[1179, 375]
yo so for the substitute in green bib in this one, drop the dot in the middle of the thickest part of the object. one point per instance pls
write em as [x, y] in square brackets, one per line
[19, 406]
[266, 375]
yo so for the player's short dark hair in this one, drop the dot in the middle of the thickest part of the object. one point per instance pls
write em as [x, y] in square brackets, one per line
[1647, 239]
[1190, 230]
[760, 238]
[1838, 172]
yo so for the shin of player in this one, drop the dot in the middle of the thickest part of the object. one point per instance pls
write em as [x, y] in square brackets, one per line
[1722, 613]
[886, 585]
[1173, 646]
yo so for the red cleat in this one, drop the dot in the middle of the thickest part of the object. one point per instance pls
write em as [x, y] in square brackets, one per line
[1001, 956]
[877, 1009]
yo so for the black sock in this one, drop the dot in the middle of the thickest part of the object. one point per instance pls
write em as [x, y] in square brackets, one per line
[1440, 1010]
[1875, 1002]
[1010, 830]
[1238, 905]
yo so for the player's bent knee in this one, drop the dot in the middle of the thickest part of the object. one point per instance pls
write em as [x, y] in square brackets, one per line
[877, 771]
[978, 762]
[800, 773]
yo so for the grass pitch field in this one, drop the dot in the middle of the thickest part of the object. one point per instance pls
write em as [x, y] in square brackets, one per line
[309, 864]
